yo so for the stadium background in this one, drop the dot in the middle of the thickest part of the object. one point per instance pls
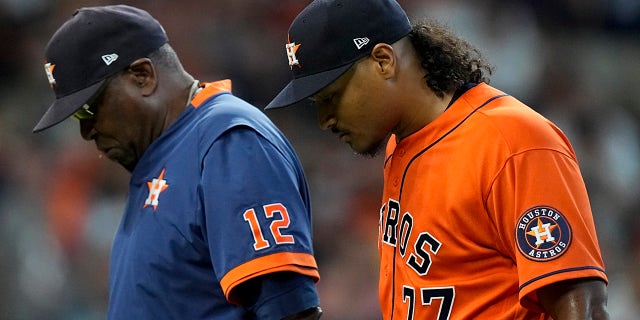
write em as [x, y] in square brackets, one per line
[575, 61]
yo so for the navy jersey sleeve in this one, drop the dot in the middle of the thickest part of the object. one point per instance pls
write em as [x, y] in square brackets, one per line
[279, 295]
[257, 210]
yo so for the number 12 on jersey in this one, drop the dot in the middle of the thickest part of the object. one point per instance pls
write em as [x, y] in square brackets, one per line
[278, 223]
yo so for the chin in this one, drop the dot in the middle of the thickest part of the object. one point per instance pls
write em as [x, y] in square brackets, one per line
[369, 151]
[123, 158]
[129, 165]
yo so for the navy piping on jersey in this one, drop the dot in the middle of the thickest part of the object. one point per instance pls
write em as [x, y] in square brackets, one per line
[406, 169]
[557, 272]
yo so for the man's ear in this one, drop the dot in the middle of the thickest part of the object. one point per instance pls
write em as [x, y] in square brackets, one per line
[144, 75]
[385, 58]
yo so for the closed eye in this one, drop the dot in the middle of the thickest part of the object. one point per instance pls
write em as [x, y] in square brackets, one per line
[321, 99]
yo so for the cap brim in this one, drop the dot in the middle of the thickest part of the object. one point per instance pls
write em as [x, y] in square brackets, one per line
[304, 87]
[64, 107]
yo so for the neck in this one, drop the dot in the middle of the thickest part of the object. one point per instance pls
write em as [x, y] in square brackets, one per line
[181, 93]
[193, 91]
[422, 113]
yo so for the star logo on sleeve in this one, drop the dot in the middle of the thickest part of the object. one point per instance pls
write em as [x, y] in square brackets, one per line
[542, 232]
[156, 186]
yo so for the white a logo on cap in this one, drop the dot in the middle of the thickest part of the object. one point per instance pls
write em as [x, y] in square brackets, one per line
[109, 58]
[361, 42]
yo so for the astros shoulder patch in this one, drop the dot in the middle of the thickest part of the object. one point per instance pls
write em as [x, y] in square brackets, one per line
[543, 233]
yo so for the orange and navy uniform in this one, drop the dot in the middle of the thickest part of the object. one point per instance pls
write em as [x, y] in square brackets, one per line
[219, 199]
[482, 207]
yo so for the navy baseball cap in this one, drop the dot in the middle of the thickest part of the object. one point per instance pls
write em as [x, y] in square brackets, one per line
[329, 36]
[95, 43]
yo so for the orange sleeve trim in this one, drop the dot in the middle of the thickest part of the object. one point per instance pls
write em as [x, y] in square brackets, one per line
[302, 263]
[211, 89]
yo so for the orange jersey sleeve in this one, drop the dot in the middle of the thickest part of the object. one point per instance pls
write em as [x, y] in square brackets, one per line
[302, 263]
[480, 208]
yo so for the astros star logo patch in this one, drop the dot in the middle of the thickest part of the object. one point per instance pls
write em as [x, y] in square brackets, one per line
[543, 234]
[156, 186]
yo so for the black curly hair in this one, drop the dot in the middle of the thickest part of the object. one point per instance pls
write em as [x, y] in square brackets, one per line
[449, 62]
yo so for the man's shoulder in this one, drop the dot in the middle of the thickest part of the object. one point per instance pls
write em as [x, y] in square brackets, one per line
[226, 110]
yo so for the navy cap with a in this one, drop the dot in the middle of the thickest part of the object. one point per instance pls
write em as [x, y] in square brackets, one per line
[329, 36]
[95, 43]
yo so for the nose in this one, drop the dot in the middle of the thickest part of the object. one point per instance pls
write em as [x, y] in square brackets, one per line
[87, 129]
[326, 117]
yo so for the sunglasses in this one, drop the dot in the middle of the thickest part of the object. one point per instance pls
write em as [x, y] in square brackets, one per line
[88, 110]
[84, 113]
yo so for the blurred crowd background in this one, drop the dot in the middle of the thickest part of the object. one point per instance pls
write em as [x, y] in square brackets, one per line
[575, 61]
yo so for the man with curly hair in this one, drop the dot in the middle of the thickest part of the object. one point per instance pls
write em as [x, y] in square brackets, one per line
[484, 214]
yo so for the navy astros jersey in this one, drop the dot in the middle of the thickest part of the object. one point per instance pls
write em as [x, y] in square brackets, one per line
[219, 198]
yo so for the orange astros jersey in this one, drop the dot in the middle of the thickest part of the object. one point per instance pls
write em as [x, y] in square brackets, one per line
[481, 208]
